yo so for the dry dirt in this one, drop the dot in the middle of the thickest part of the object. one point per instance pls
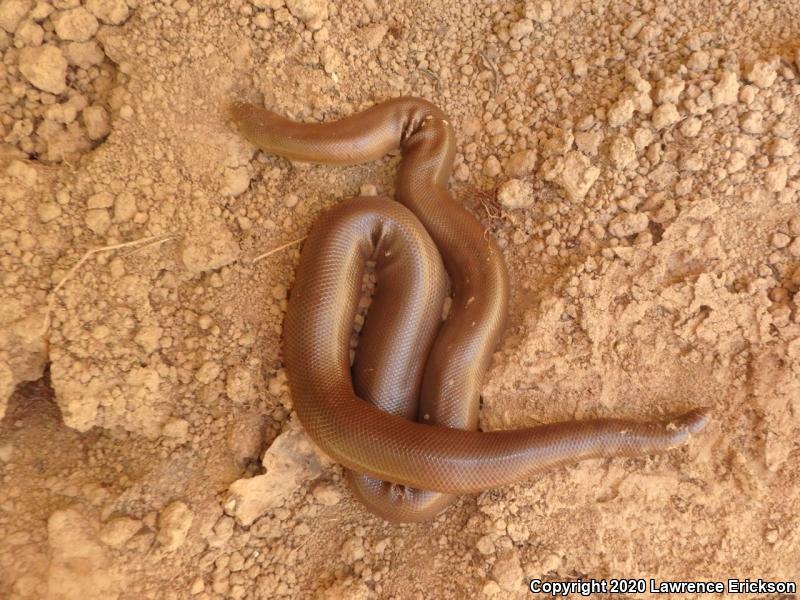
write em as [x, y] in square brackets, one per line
[638, 163]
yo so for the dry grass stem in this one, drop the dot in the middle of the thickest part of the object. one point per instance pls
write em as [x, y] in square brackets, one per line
[278, 249]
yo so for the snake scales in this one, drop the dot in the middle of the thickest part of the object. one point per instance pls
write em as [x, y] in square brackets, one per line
[403, 419]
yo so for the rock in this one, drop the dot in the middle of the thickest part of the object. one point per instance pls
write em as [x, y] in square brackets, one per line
[521, 163]
[44, 67]
[97, 122]
[665, 115]
[643, 103]
[491, 589]
[48, 211]
[520, 29]
[549, 564]
[780, 147]
[491, 166]
[310, 12]
[84, 54]
[177, 429]
[22, 347]
[352, 550]
[642, 137]
[278, 385]
[346, 589]
[558, 144]
[794, 249]
[776, 451]
[622, 152]
[63, 142]
[331, 59]
[64, 113]
[367, 189]
[100, 200]
[290, 462]
[669, 90]
[777, 105]
[198, 586]
[495, 127]
[726, 91]
[621, 112]
[239, 385]
[118, 531]
[149, 337]
[98, 220]
[116, 268]
[22, 172]
[246, 438]
[208, 248]
[628, 224]
[634, 77]
[485, 545]
[79, 566]
[326, 494]
[695, 161]
[173, 525]
[588, 142]
[236, 562]
[12, 12]
[111, 12]
[775, 177]
[507, 571]
[736, 162]
[761, 73]
[29, 33]
[540, 11]
[374, 34]
[574, 173]
[579, 67]
[41, 11]
[236, 180]
[553, 238]
[698, 61]
[124, 207]
[78, 401]
[752, 122]
[747, 94]
[207, 372]
[691, 127]
[780, 240]
[75, 24]
[222, 532]
[515, 193]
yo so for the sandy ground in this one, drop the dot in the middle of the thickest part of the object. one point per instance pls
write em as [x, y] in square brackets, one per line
[639, 165]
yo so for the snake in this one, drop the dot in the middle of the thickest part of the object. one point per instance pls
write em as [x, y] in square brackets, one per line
[402, 415]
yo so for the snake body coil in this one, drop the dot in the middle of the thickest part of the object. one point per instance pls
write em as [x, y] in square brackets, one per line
[404, 418]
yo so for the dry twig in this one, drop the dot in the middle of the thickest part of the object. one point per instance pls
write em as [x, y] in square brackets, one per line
[149, 242]
[51, 299]
[495, 72]
[146, 246]
[278, 249]
[431, 75]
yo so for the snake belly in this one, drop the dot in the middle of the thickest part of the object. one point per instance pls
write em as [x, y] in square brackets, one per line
[403, 419]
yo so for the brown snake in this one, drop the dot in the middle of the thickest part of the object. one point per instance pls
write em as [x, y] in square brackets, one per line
[404, 418]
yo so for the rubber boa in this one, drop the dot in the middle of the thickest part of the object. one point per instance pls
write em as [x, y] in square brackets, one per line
[403, 417]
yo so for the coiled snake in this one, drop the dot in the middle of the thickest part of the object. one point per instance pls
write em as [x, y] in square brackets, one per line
[404, 418]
